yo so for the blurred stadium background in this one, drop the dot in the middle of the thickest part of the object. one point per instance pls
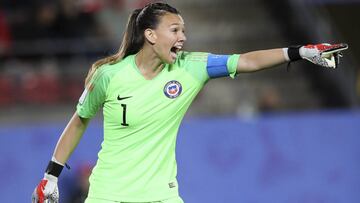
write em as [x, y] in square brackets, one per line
[273, 136]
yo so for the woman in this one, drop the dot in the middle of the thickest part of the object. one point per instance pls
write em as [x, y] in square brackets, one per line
[145, 90]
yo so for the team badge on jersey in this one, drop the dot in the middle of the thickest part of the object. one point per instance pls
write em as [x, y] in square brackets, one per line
[172, 89]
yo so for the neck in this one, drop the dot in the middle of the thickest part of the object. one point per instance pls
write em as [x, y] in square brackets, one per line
[148, 63]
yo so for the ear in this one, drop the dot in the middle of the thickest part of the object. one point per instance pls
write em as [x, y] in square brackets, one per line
[150, 36]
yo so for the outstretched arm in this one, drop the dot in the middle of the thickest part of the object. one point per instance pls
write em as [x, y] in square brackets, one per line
[258, 60]
[325, 55]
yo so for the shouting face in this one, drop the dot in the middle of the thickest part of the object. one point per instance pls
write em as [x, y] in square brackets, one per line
[168, 37]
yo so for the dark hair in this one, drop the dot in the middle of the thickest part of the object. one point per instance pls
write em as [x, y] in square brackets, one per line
[133, 39]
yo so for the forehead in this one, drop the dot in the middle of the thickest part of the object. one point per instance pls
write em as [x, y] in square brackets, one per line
[171, 19]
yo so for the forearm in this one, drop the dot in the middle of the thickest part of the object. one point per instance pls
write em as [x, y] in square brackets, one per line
[258, 60]
[70, 138]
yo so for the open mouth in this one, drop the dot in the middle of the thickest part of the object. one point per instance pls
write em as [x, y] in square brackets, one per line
[175, 49]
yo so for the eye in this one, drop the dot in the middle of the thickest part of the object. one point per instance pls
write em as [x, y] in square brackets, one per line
[174, 30]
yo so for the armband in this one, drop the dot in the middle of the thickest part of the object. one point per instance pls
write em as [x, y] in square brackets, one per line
[217, 66]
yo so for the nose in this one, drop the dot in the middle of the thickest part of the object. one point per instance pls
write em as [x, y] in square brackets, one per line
[182, 37]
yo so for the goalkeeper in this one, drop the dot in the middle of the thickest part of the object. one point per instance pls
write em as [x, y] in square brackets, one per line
[144, 90]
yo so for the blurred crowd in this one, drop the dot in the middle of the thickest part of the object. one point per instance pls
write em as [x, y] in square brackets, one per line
[40, 19]
[46, 46]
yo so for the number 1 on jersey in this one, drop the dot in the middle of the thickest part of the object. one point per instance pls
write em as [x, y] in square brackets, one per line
[124, 115]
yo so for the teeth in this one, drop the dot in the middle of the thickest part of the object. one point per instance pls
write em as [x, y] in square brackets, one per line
[176, 48]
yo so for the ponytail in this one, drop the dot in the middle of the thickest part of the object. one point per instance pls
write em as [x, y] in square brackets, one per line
[130, 45]
[134, 39]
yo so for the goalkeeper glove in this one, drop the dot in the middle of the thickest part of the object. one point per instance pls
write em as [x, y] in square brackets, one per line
[47, 190]
[326, 55]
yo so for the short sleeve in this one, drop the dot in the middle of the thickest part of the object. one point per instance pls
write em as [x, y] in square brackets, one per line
[205, 66]
[94, 95]
[222, 65]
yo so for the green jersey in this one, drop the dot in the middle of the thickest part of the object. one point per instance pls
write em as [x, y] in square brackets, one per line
[141, 119]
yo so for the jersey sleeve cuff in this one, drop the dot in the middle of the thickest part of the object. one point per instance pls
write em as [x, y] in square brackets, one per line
[81, 113]
[232, 65]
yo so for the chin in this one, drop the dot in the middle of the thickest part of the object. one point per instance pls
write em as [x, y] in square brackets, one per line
[169, 61]
[172, 61]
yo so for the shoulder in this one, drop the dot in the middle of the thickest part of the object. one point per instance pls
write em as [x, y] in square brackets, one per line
[194, 63]
[185, 56]
[187, 59]
[107, 71]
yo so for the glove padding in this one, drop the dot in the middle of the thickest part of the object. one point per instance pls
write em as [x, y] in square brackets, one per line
[47, 190]
[326, 55]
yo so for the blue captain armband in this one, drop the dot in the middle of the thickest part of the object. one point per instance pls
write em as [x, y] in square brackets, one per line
[217, 65]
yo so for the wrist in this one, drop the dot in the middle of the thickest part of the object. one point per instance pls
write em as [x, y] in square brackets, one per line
[56, 161]
[54, 168]
[292, 53]
[285, 52]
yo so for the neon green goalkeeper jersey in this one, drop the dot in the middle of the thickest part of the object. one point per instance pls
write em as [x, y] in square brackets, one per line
[136, 162]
